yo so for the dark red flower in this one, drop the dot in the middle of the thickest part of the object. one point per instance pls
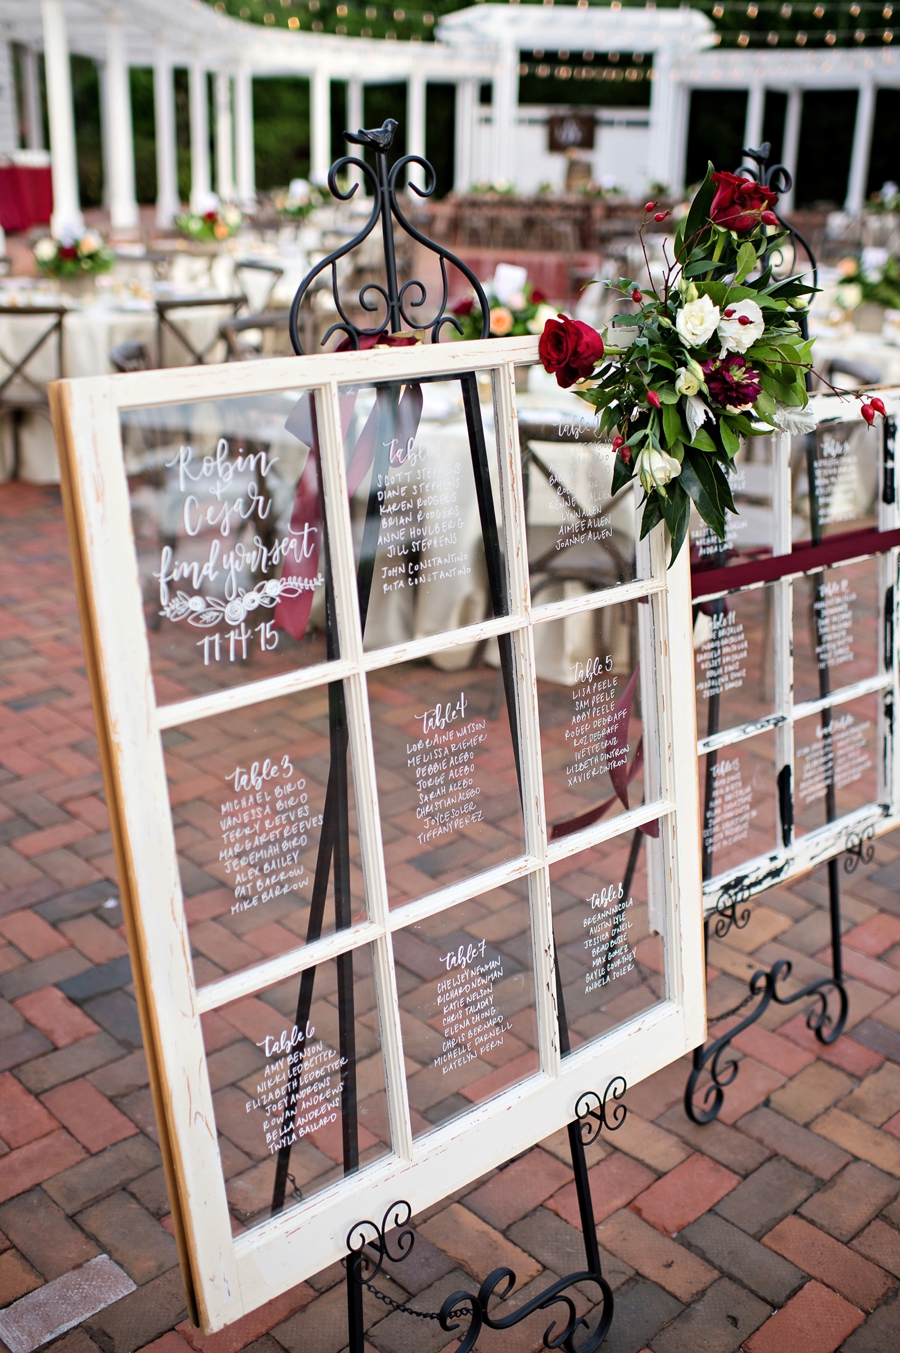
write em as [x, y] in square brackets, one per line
[68, 251]
[731, 381]
[569, 349]
[209, 216]
[537, 296]
[464, 307]
[741, 204]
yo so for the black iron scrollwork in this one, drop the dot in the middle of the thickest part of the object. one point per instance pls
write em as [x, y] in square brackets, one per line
[826, 1028]
[777, 177]
[859, 849]
[593, 1113]
[398, 303]
[727, 914]
[368, 1242]
[500, 1283]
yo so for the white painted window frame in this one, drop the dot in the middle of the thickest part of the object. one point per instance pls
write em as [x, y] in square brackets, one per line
[813, 848]
[226, 1278]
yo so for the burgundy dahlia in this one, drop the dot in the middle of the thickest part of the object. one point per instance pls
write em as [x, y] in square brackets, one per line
[731, 381]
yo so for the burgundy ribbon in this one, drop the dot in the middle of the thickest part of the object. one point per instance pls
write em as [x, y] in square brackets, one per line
[292, 613]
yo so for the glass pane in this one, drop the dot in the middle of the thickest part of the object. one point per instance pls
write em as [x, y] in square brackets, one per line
[738, 794]
[425, 507]
[298, 1086]
[836, 628]
[580, 539]
[836, 762]
[835, 474]
[734, 659]
[248, 797]
[592, 693]
[227, 520]
[611, 957]
[751, 534]
[446, 772]
[466, 978]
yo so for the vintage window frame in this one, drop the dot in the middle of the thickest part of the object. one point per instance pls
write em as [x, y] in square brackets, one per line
[226, 1277]
[848, 832]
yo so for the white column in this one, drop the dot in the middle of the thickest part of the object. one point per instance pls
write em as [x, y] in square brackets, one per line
[355, 120]
[320, 125]
[9, 113]
[862, 147]
[661, 166]
[199, 108]
[119, 170]
[753, 124]
[224, 139]
[415, 121]
[505, 107]
[681, 110]
[466, 105]
[64, 160]
[31, 99]
[791, 143]
[168, 203]
[103, 90]
[244, 153]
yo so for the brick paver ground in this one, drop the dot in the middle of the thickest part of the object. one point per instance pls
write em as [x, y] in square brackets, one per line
[775, 1228]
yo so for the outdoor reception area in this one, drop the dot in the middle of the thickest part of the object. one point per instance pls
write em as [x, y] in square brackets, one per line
[449, 613]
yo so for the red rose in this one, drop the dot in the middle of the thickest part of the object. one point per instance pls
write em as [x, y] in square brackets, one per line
[209, 216]
[464, 307]
[537, 296]
[740, 204]
[569, 349]
[68, 251]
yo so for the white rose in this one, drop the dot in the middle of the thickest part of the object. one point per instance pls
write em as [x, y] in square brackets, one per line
[686, 383]
[740, 326]
[45, 249]
[517, 300]
[656, 468]
[536, 325]
[696, 321]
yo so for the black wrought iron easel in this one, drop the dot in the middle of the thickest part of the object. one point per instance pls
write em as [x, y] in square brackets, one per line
[731, 906]
[394, 306]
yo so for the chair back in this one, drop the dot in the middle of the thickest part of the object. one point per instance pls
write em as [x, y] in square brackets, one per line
[195, 349]
[257, 279]
[30, 353]
[130, 356]
[254, 336]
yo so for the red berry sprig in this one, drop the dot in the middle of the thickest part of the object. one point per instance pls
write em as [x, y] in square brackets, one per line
[869, 408]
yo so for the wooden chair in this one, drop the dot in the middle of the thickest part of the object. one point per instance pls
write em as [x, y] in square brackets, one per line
[164, 321]
[244, 349]
[253, 265]
[130, 356]
[23, 390]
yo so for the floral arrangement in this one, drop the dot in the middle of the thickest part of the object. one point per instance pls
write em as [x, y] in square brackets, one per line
[516, 306]
[210, 226]
[298, 200]
[82, 255]
[875, 278]
[717, 355]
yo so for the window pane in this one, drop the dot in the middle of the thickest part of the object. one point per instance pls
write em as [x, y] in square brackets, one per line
[446, 770]
[227, 519]
[580, 539]
[738, 795]
[836, 762]
[593, 689]
[751, 533]
[467, 1004]
[836, 628]
[248, 797]
[734, 645]
[298, 1083]
[610, 952]
[835, 474]
[421, 473]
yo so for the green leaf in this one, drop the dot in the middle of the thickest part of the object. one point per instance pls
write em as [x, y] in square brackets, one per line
[746, 260]
[724, 488]
[672, 425]
[698, 216]
[622, 475]
[730, 440]
[698, 481]
[676, 509]
[652, 514]
[703, 442]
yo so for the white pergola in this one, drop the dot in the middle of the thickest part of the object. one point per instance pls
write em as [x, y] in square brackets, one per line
[475, 46]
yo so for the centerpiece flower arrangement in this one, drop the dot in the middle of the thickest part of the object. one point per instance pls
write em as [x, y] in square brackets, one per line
[516, 306]
[717, 355]
[210, 227]
[298, 200]
[83, 255]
